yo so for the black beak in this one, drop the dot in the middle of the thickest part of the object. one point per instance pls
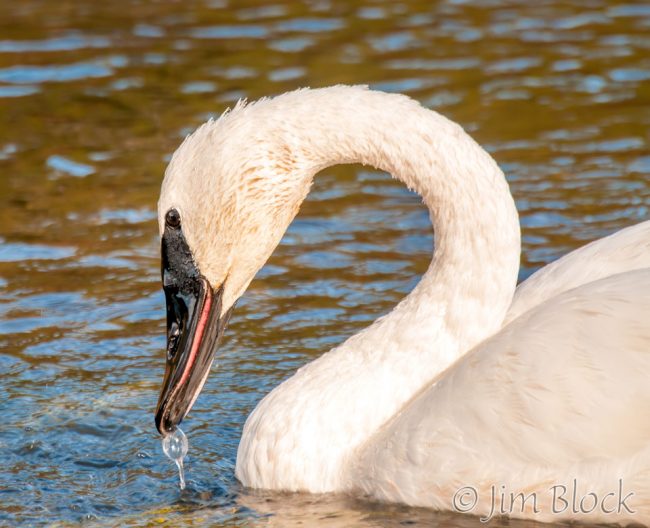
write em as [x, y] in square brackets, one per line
[194, 330]
[195, 326]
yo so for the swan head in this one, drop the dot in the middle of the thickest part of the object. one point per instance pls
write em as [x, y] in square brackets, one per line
[229, 193]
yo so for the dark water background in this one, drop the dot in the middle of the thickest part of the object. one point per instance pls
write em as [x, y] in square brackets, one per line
[94, 97]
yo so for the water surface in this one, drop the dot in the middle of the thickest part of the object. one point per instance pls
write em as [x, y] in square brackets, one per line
[94, 97]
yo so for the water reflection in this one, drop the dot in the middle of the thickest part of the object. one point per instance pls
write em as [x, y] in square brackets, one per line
[93, 99]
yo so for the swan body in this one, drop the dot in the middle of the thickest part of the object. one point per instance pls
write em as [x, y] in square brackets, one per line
[467, 382]
[550, 400]
[624, 250]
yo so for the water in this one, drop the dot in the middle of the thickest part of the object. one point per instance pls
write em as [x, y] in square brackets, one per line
[94, 97]
[175, 447]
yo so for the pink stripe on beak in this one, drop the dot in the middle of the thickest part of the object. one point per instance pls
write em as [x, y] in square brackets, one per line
[198, 336]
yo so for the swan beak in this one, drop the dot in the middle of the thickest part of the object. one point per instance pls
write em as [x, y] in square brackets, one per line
[195, 327]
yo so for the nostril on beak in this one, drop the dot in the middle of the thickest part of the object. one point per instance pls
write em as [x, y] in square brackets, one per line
[172, 340]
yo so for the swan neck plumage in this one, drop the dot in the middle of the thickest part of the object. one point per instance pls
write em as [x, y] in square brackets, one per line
[304, 433]
[474, 218]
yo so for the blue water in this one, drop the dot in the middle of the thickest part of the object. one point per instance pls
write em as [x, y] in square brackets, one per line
[94, 99]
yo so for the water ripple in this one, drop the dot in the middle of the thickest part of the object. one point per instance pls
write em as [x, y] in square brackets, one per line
[94, 98]
[66, 43]
[67, 166]
[62, 73]
[19, 252]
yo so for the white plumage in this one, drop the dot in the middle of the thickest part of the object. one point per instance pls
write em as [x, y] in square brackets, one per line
[438, 394]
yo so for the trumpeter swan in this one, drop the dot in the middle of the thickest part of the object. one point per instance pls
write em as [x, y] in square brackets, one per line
[439, 395]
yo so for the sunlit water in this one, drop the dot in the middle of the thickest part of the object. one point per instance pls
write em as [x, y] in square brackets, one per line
[95, 96]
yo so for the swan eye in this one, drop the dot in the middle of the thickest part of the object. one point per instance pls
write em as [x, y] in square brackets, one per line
[173, 218]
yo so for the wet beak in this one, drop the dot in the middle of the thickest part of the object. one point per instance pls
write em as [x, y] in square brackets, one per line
[195, 327]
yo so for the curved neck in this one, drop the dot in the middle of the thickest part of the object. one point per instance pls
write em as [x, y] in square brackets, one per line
[472, 277]
[461, 299]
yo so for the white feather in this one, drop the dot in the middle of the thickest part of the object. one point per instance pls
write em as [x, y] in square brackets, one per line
[427, 399]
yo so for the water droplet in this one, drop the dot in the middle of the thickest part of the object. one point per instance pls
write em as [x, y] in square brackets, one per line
[175, 446]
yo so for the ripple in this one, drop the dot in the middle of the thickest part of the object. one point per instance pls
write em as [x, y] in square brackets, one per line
[310, 25]
[460, 63]
[198, 87]
[126, 84]
[468, 35]
[576, 21]
[19, 252]
[372, 13]
[148, 31]
[442, 98]
[8, 150]
[307, 318]
[394, 41]
[257, 13]
[235, 72]
[566, 65]
[401, 85]
[67, 166]
[62, 73]
[611, 145]
[513, 95]
[544, 219]
[291, 45]
[129, 216]
[591, 84]
[629, 10]
[641, 164]
[66, 43]
[230, 31]
[18, 91]
[155, 58]
[630, 74]
[514, 65]
[420, 19]
[286, 74]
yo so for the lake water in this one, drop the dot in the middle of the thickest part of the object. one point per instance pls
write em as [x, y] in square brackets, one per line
[95, 96]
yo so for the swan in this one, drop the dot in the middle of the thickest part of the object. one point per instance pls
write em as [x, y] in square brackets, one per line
[469, 385]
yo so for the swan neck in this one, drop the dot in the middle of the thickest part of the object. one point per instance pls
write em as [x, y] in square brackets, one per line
[307, 433]
[475, 222]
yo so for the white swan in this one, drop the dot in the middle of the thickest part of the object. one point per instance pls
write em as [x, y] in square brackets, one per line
[437, 395]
